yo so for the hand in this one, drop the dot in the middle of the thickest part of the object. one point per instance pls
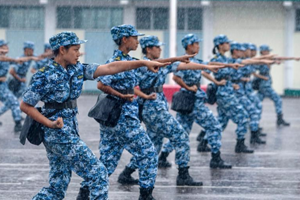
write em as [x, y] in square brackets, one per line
[297, 58]
[214, 68]
[58, 123]
[186, 58]
[151, 96]
[235, 65]
[245, 79]
[221, 82]
[2, 79]
[154, 66]
[36, 58]
[4, 51]
[23, 80]
[278, 62]
[193, 88]
[128, 97]
[236, 86]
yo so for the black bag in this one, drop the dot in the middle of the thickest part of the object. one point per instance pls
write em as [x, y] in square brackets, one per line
[256, 83]
[32, 130]
[13, 84]
[183, 101]
[211, 91]
[107, 110]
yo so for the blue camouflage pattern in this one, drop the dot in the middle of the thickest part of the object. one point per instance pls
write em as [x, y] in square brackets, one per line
[228, 105]
[2, 42]
[264, 47]
[64, 39]
[266, 90]
[65, 150]
[253, 47]
[157, 118]
[189, 39]
[47, 46]
[29, 45]
[128, 133]
[221, 39]
[201, 113]
[41, 63]
[150, 41]
[125, 30]
[6, 96]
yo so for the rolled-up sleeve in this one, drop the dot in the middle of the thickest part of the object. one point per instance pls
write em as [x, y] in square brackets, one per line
[89, 70]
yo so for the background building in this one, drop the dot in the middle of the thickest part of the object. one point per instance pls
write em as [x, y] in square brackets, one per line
[276, 23]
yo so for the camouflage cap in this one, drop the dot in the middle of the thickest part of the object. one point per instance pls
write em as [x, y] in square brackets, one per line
[47, 46]
[253, 47]
[2, 42]
[149, 41]
[125, 30]
[64, 39]
[246, 45]
[189, 39]
[235, 46]
[29, 45]
[264, 47]
[220, 39]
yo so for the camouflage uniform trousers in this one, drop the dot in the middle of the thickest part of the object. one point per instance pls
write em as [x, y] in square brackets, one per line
[251, 110]
[257, 103]
[203, 116]
[129, 134]
[10, 102]
[160, 123]
[270, 93]
[230, 108]
[19, 92]
[77, 157]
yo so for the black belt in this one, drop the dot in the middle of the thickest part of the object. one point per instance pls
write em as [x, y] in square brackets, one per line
[237, 81]
[224, 78]
[127, 91]
[152, 89]
[197, 84]
[68, 104]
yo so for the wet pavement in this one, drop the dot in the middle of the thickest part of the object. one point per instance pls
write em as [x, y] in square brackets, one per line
[272, 172]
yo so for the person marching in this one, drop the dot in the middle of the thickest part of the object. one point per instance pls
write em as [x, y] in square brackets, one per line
[189, 80]
[127, 133]
[58, 85]
[228, 105]
[6, 96]
[265, 86]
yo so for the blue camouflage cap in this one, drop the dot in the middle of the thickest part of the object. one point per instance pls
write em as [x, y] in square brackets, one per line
[2, 42]
[220, 39]
[235, 46]
[64, 39]
[264, 47]
[125, 30]
[29, 45]
[47, 46]
[246, 45]
[149, 41]
[189, 39]
[253, 47]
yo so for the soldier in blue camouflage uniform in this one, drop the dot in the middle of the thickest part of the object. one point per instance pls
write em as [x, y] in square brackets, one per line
[128, 133]
[6, 96]
[59, 83]
[189, 80]
[43, 62]
[19, 71]
[228, 105]
[241, 77]
[155, 114]
[266, 90]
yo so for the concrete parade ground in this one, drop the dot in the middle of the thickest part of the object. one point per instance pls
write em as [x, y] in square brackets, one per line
[272, 172]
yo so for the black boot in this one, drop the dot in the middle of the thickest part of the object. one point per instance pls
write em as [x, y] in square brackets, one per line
[84, 194]
[18, 126]
[260, 128]
[261, 134]
[126, 178]
[184, 178]
[255, 138]
[0, 123]
[203, 147]
[240, 147]
[146, 194]
[201, 135]
[217, 162]
[162, 160]
[280, 121]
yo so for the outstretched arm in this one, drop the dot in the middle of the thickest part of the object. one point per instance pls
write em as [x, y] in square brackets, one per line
[120, 66]
[197, 66]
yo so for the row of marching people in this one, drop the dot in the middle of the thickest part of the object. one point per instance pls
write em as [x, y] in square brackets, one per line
[13, 86]
[120, 114]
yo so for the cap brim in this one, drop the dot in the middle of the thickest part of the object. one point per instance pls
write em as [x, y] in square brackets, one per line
[160, 44]
[81, 41]
[138, 34]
